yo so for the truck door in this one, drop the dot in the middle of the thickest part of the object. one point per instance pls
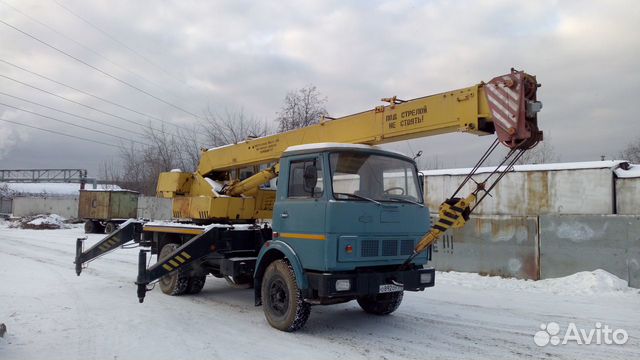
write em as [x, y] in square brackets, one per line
[299, 213]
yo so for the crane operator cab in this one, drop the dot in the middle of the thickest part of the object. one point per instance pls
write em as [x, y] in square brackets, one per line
[351, 214]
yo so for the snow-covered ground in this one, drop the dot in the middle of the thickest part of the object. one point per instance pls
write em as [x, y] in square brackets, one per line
[52, 314]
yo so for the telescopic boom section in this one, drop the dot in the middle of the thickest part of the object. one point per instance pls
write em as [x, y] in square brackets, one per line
[506, 105]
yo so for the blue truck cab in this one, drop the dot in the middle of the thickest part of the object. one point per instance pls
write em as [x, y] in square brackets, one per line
[345, 219]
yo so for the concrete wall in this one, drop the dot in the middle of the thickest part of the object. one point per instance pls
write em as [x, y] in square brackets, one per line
[63, 206]
[544, 247]
[628, 196]
[570, 243]
[150, 207]
[6, 205]
[492, 245]
[578, 191]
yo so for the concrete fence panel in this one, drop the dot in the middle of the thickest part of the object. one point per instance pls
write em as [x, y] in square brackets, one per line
[628, 196]
[492, 245]
[532, 193]
[6, 205]
[64, 206]
[573, 243]
[150, 207]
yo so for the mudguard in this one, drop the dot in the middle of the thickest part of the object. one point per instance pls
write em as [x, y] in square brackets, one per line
[270, 248]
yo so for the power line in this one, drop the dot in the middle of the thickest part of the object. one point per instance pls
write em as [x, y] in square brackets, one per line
[81, 91]
[70, 114]
[84, 46]
[100, 70]
[114, 39]
[88, 93]
[60, 133]
[72, 124]
[77, 103]
[162, 131]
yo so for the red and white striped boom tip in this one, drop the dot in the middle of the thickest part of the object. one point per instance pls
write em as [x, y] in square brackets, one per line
[514, 108]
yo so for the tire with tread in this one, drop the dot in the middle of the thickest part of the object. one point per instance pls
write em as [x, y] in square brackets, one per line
[196, 283]
[110, 227]
[175, 283]
[381, 304]
[89, 227]
[282, 301]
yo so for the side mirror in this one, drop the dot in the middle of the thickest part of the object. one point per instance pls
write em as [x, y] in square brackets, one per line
[310, 178]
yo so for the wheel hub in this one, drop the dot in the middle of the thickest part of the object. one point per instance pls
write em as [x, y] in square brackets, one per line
[278, 296]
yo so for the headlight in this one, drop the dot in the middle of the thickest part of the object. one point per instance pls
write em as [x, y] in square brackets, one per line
[426, 278]
[343, 285]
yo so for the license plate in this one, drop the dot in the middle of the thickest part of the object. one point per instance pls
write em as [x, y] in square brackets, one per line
[387, 288]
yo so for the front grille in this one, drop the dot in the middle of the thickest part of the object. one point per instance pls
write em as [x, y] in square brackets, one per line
[389, 247]
[385, 247]
[369, 248]
[406, 247]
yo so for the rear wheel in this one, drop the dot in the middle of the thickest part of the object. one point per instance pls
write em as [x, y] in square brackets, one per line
[282, 301]
[196, 283]
[381, 304]
[109, 227]
[175, 283]
[89, 227]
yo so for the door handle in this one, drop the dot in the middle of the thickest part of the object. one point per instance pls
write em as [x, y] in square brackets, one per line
[284, 215]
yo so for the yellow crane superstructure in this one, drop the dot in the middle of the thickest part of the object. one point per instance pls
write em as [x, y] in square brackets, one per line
[506, 105]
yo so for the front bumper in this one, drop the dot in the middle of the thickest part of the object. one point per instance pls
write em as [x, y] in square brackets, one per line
[323, 285]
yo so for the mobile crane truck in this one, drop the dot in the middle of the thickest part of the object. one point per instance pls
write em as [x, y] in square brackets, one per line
[348, 218]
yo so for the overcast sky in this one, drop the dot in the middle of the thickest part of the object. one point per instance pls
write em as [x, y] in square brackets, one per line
[248, 54]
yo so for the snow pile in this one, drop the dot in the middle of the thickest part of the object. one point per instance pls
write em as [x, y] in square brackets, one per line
[584, 283]
[41, 222]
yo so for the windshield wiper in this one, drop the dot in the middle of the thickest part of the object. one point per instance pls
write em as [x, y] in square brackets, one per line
[405, 200]
[358, 197]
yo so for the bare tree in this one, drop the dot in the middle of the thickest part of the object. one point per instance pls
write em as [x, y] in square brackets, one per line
[138, 167]
[5, 191]
[110, 172]
[631, 152]
[301, 108]
[232, 127]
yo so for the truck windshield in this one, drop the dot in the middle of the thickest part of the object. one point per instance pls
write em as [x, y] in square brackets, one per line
[358, 175]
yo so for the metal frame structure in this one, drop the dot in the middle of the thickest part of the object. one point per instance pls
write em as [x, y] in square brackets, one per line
[44, 175]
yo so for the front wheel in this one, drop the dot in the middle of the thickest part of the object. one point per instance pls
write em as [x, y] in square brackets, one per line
[381, 304]
[282, 301]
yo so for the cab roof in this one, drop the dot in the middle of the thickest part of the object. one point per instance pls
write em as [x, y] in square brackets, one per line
[321, 147]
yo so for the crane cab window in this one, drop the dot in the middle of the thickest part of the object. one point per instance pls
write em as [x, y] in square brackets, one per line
[305, 179]
[361, 176]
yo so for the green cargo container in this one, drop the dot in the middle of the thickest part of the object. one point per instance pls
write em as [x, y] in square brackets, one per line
[105, 209]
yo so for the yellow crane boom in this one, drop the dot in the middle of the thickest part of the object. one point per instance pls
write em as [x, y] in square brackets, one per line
[506, 105]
